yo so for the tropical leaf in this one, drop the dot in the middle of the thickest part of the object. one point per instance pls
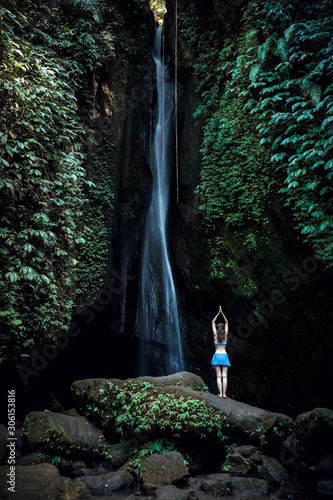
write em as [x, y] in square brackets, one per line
[91, 7]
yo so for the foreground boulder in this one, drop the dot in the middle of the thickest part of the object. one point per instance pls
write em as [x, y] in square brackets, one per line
[61, 434]
[245, 461]
[38, 482]
[36, 458]
[271, 470]
[217, 484]
[182, 379]
[247, 421]
[315, 426]
[249, 485]
[160, 470]
[255, 422]
[91, 388]
[171, 492]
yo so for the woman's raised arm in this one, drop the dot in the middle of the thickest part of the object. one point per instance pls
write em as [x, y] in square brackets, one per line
[214, 321]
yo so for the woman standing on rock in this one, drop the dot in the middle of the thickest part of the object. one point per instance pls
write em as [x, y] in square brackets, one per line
[220, 359]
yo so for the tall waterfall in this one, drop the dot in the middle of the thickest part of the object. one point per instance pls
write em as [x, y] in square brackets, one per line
[160, 349]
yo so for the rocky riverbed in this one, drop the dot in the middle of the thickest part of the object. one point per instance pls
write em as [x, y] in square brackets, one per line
[167, 438]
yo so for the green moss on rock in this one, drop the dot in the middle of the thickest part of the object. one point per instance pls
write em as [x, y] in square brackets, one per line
[59, 434]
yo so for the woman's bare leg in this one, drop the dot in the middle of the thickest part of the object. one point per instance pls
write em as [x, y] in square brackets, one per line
[218, 371]
[224, 380]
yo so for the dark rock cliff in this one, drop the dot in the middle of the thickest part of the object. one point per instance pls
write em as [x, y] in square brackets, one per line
[280, 343]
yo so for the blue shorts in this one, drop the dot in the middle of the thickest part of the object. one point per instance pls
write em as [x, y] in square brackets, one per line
[220, 359]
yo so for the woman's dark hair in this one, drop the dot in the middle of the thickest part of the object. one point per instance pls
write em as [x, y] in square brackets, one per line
[220, 330]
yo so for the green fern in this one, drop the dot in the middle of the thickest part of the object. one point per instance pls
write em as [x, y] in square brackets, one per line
[91, 7]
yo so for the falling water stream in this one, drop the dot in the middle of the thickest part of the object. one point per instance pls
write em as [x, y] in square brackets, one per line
[157, 324]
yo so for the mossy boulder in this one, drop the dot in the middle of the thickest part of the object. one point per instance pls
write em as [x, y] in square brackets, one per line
[117, 454]
[162, 469]
[242, 467]
[315, 426]
[60, 434]
[183, 379]
[38, 482]
[230, 417]
[90, 388]
[242, 419]
[254, 465]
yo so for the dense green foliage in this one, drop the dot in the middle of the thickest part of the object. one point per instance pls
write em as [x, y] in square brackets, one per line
[139, 406]
[90, 6]
[264, 74]
[46, 58]
[67, 85]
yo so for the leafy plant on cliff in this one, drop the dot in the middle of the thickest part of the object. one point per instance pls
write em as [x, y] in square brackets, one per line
[91, 7]
[43, 180]
[265, 104]
[294, 103]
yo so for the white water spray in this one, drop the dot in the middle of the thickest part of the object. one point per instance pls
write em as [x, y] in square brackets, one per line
[160, 349]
